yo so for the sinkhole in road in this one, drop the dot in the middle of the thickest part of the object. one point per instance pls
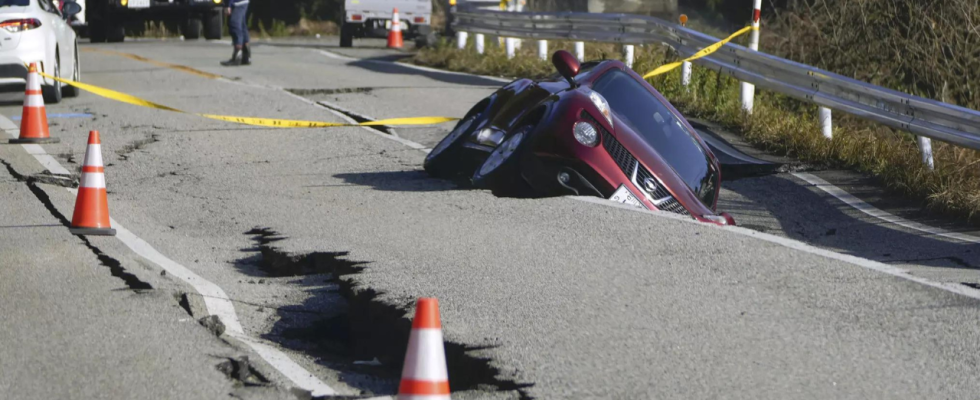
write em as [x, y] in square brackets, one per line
[362, 328]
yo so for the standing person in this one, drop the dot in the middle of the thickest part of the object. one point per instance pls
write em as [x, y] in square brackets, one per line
[237, 25]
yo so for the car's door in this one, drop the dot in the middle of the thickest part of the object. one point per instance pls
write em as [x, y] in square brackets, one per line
[63, 34]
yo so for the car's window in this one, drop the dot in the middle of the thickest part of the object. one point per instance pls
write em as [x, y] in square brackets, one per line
[46, 5]
[633, 103]
[14, 3]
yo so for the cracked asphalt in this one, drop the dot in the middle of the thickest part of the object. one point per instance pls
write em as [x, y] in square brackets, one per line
[565, 298]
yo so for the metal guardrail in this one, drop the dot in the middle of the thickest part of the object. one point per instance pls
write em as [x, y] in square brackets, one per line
[920, 116]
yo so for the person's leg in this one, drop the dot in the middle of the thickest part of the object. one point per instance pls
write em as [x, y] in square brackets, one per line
[237, 38]
[246, 50]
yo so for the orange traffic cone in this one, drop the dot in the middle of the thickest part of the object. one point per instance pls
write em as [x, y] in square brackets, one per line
[424, 375]
[34, 120]
[395, 33]
[92, 206]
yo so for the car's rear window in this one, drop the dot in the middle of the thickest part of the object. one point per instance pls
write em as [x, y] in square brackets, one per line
[644, 113]
[9, 3]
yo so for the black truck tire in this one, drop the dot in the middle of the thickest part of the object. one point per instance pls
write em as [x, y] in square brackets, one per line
[347, 35]
[213, 24]
[191, 28]
[96, 31]
[115, 31]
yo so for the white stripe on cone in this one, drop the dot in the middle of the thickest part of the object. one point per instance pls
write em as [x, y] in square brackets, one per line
[33, 81]
[93, 156]
[426, 358]
[34, 100]
[93, 180]
[396, 25]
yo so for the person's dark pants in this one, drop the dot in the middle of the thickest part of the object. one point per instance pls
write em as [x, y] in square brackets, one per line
[237, 25]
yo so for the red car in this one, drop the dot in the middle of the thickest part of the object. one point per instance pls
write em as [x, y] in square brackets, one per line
[595, 129]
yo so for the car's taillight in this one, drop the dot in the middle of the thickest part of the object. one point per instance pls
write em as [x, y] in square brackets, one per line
[20, 25]
[419, 20]
[356, 17]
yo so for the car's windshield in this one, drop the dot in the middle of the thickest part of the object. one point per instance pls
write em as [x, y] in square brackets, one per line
[644, 113]
[9, 3]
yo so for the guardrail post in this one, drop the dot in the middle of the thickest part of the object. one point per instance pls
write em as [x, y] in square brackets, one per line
[686, 67]
[748, 89]
[826, 123]
[479, 43]
[580, 51]
[510, 44]
[686, 70]
[628, 53]
[461, 40]
[543, 49]
[925, 147]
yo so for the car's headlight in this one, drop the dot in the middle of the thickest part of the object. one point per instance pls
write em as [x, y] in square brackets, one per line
[603, 105]
[586, 134]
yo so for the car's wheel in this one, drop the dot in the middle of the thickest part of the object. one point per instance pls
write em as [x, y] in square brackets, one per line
[52, 93]
[76, 75]
[213, 24]
[115, 31]
[347, 35]
[501, 171]
[444, 159]
[97, 31]
[191, 28]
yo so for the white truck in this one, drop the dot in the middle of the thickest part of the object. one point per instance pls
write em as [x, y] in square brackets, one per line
[372, 18]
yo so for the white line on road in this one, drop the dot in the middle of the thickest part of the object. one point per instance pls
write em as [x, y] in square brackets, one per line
[873, 211]
[215, 299]
[798, 245]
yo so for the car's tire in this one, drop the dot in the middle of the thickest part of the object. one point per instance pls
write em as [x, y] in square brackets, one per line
[191, 28]
[76, 75]
[115, 31]
[52, 93]
[213, 24]
[97, 31]
[444, 159]
[501, 172]
[346, 35]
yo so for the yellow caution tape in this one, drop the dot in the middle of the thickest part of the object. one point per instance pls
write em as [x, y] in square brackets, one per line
[702, 53]
[267, 122]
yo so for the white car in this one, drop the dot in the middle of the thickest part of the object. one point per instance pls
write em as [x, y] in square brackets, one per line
[37, 31]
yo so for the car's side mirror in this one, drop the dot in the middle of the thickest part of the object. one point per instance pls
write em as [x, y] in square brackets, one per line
[70, 8]
[567, 65]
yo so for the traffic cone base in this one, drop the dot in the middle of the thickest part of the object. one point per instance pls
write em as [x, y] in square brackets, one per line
[92, 231]
[91, 215]
[34, 119]
[34, 140]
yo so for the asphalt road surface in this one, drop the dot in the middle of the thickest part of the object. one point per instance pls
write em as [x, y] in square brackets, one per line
[320, 240]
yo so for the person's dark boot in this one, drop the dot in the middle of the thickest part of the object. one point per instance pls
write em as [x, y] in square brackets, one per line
[234, 61]
[246, 55]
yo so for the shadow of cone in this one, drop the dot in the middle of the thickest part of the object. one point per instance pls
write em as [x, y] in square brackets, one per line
[395, 33]
[424, 376]
[91, 215]
[34, 120]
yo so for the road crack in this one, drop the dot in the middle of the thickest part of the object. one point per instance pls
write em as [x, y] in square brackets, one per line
[114, 265]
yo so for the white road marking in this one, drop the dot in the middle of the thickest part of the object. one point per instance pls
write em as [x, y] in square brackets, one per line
[798, 245]
[873, 211]
[215, 299]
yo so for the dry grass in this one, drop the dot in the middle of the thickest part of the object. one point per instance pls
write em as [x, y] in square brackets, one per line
[779, 124]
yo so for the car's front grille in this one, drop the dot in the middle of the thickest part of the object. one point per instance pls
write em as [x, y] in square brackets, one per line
[628, 164]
